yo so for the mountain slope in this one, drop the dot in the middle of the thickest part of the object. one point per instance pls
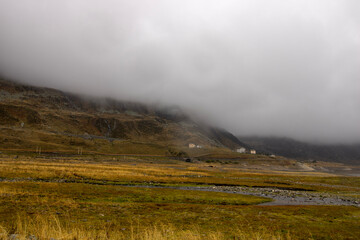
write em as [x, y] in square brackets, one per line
[31, 117]
[305, 151]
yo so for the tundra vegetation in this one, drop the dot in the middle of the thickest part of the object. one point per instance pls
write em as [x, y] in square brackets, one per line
[117, 197]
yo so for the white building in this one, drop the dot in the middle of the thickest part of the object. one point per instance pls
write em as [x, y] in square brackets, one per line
[252, 151]
[241, 150]
[191, 145]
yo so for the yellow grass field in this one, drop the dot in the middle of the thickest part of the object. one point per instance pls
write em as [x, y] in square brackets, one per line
[144, 198]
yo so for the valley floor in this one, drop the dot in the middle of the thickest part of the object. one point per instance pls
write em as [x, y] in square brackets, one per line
[100, 197]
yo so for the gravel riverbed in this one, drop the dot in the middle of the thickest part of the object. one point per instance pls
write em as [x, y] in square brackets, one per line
[279, 196]
[285, 197]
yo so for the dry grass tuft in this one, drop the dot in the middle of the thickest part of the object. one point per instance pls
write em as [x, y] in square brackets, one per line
[50, 227]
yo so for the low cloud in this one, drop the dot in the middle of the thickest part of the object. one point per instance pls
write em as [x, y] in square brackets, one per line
[280, 68]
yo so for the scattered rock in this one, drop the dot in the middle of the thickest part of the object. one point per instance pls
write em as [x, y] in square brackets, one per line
[14, 237]
[32, 237]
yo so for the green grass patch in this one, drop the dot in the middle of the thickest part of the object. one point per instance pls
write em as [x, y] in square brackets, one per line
[164, 195]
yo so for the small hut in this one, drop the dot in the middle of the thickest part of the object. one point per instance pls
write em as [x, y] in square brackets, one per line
[241, 150]
[192, 145]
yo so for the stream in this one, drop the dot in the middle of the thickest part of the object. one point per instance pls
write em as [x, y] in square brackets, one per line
[280, 197]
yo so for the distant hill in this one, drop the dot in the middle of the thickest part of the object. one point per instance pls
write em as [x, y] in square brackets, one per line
[305, 151]
[33, 117]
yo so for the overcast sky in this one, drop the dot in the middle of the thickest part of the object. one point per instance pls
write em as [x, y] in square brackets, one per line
[257, 67]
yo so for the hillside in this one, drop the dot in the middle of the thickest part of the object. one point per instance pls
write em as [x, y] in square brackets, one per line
[305, 151]
[33, 117]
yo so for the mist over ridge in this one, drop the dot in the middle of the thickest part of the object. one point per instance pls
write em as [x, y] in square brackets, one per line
[267, 68]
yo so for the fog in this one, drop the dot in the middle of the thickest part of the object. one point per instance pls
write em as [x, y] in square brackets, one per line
[258, 67]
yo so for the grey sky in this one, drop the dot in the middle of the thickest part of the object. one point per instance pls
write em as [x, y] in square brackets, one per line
[265, 67]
